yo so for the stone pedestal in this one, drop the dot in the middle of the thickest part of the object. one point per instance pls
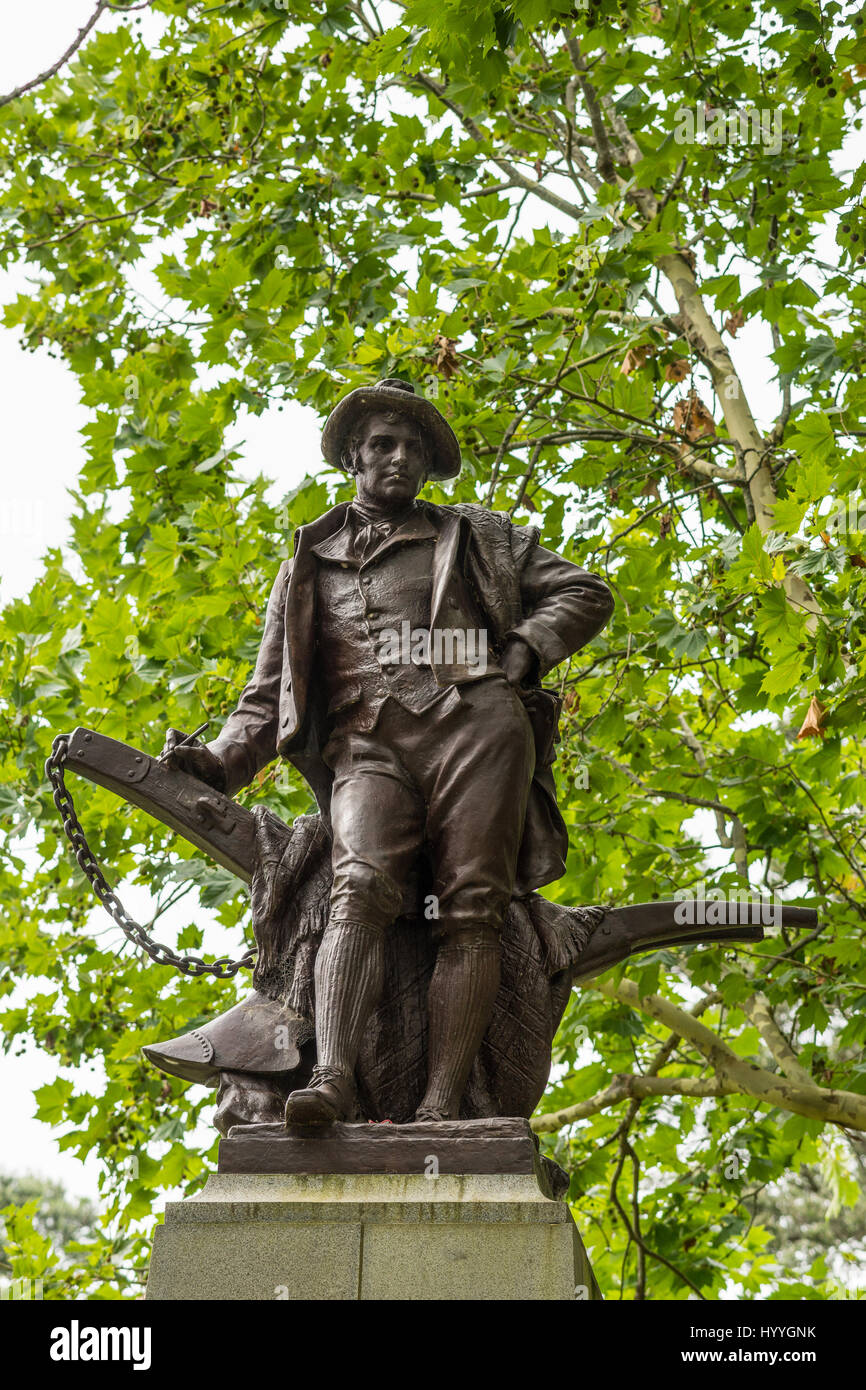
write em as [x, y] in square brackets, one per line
[369, 1236]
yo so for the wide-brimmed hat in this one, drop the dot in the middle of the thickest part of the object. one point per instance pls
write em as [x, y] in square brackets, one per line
[400, 396]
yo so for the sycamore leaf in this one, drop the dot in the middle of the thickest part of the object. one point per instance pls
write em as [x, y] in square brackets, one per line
[679, 640]
[446, 359]
[691, 418]
[788, 513]
[678, 370]
[753, 568]
[786, 671]
[734, 321]
[811, 726]
[813, 438]
[52, 1100]
[635, 358]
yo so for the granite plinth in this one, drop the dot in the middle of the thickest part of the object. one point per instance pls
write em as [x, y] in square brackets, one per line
[353, 1236]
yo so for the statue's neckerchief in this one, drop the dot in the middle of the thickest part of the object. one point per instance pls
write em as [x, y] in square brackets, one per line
[373, 524]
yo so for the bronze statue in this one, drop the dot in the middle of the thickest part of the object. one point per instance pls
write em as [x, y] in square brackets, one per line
[407, 969]
[442, 751]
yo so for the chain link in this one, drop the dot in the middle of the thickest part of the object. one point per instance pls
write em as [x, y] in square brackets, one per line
[223, 968]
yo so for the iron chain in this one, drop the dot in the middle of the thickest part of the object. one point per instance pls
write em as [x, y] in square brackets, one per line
[223, 968]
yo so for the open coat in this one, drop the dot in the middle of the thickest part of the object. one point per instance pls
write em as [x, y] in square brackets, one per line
[483, 566]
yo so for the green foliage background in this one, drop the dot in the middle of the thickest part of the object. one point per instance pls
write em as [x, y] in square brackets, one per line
[488, 200]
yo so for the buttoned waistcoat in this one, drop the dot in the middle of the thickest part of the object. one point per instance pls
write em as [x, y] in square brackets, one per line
[483, 566]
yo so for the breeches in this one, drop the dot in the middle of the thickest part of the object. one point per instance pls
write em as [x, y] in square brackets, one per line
[454, 780]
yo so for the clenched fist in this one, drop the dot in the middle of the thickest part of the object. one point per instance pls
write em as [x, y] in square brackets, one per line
[193, 758]
[518, 660]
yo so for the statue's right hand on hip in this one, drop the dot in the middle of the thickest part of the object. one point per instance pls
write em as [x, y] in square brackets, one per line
[518, 660]
[194, 758]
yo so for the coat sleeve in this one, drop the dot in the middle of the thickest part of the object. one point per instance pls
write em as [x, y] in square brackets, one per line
[564, 607]
[248, 741]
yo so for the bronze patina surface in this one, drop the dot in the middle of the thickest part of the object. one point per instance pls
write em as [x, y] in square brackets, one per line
[407, 969]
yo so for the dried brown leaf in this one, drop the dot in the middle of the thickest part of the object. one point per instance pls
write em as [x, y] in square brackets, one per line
[447, 359]
[679, 370]
[635, 358]
[734, 321]
[692, 418]
[812, 723]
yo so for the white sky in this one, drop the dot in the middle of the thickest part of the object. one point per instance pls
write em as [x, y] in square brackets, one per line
[42, 418]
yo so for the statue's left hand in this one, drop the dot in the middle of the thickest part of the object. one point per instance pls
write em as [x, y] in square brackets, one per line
[518, 660]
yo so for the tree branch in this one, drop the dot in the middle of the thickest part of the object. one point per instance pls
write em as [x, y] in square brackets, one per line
[92, 222]
[606, 166]
[521, 180]
[747, 1077]
[628, 1087]
[73, 47]
[758, 1010]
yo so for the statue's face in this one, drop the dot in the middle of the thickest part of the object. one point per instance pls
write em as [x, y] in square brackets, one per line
[391, 464]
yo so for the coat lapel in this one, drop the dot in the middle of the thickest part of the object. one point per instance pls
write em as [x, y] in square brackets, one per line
[339, 545]
[444, 558]
[301, 611]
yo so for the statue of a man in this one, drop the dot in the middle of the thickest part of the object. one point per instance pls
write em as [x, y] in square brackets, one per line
[400, 670]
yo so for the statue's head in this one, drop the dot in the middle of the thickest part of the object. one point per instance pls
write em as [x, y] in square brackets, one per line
[389, 456]
[391, 440]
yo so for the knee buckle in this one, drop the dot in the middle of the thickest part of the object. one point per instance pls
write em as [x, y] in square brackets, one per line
[478, 937]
